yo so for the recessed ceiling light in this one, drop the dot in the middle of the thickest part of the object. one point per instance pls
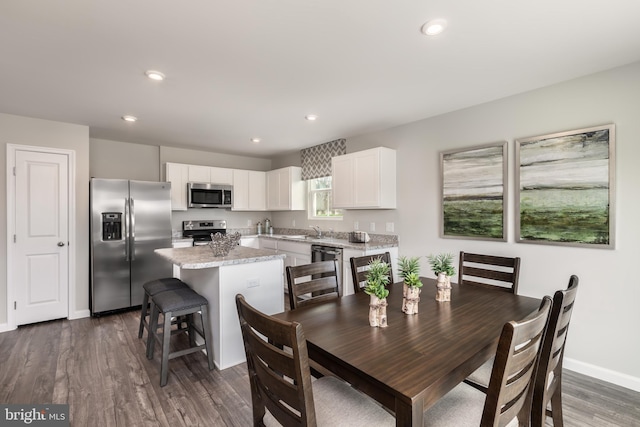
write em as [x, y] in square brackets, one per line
[255, 140]
[311, 117]
[154, 75]
[434, 27]
[129, 118]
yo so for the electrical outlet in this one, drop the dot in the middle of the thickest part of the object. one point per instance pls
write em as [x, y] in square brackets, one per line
[293, 222]
[356, 225]
[389, 227]
[372, 226]
[249, 223]
[253, 283]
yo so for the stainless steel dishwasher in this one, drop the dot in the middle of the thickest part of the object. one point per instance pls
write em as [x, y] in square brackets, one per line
[327, 253]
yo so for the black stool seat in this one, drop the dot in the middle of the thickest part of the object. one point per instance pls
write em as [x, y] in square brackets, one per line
[179, 299]
[179, 302]
[165, 284]
[153, 288]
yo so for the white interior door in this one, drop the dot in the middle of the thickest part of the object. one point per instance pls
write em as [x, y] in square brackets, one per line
[41, 241]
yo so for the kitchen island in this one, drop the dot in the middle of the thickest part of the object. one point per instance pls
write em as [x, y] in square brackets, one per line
[255, 273]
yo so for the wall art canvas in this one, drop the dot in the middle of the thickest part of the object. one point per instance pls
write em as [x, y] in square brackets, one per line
[473, 192]
[565, 188]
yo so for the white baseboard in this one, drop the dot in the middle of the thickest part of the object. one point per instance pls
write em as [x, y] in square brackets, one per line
[4, 327]
[79, 314]
[618, 378]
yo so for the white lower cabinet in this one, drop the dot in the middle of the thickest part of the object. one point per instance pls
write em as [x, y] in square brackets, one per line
[297, 253]
[250, 242]
[347, 254]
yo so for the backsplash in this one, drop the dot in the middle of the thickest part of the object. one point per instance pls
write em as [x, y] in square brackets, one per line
[377, 238]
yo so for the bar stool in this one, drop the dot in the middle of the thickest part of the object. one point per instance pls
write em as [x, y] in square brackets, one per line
[179, 302]
[152, 288]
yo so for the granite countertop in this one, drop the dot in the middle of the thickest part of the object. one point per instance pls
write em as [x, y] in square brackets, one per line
[327, 241]
[197, 257]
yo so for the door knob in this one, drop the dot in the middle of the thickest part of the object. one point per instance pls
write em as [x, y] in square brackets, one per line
[60, 244]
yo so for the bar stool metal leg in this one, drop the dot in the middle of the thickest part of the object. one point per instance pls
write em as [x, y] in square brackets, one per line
[143, 314]
[164, 365]
[206, 328]
[153, 327]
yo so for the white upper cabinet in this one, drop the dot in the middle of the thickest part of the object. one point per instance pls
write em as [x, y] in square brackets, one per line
[249, 190]
[199, 174]
[365, 179]
[221, 176]
[285, 190]
[178, 175]
[278, 190]
[209, 174]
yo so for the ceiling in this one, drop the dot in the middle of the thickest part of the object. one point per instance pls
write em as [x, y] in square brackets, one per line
[254, 68]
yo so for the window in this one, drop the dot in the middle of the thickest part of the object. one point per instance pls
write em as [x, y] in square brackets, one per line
[320, 199]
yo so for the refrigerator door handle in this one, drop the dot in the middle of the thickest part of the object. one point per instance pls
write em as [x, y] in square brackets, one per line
[127, 227]
[132, 234]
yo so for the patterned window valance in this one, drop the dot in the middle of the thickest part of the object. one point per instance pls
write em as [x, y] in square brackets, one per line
[316, 160]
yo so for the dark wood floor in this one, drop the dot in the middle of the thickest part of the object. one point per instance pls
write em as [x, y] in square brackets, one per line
[98, 366]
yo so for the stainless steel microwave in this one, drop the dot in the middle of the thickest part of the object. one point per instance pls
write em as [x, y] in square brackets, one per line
[203, 195]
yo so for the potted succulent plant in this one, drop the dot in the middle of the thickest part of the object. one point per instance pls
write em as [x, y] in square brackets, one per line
[442, 266]
[376, 287]
[409, 269]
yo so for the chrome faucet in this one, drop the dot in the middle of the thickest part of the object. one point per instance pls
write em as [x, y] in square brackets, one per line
[317, 230]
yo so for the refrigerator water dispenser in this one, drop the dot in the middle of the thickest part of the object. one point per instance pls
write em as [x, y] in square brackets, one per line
[111, 226]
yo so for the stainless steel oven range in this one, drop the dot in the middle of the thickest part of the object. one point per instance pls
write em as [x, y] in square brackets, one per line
[200, 230]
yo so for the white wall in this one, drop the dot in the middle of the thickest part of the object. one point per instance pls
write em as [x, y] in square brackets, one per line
[44, 133]
[123, 160]
[209, 158]
[603, 341]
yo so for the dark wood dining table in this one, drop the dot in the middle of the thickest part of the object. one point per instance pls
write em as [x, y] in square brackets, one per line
[418, 358]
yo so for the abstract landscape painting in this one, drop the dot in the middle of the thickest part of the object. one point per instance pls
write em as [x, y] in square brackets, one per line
[473, 192]
[565, 188]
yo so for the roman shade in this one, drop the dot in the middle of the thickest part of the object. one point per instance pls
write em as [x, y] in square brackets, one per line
[316, 160]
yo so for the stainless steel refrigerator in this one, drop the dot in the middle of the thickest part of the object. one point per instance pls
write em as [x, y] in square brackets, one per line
[129, 220]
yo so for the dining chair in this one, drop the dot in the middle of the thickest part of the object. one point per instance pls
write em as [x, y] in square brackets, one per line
[509, 396]
[489, 271]
[282, 391]
[313, 283]
[359, 268]
[548, 382]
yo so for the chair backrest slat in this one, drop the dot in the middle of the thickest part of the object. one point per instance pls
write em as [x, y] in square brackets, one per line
[360, 265]
[489, 271]
[313, 283]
